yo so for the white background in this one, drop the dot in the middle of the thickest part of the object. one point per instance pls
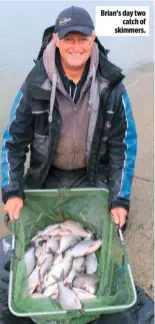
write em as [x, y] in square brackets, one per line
[105, 25]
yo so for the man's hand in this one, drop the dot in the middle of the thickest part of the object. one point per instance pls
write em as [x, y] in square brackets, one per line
[119, 215]
[13, 207]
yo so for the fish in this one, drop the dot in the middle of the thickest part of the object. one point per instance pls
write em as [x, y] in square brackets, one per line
[78, 263]
[39, 289]
[65, 265]
[58, 258]
[51, 291]
[53, 244]
[78, 266]
[60, 232]
[37, 295]
[54, 274]
[33, 280]
[84, 248]
[91, 263]
[30, 260]
[37, 239]
[83, 294]
[51, 228]
[67, 297]
[66, 242]
[48, 279]
[46, 264]
[86, 282]
[76, 229]
[40, 254]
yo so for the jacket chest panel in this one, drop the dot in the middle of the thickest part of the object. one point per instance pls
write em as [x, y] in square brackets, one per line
[40, 113]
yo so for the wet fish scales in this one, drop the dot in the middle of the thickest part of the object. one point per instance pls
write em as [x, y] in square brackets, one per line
[30, 260]
[91, 263]
[67, 298]
[51, 291]
[86, 282]
[66, 242]
[76, 229]
[85, 247]
[83, 294]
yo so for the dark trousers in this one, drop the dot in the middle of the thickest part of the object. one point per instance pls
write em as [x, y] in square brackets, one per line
[66, 179]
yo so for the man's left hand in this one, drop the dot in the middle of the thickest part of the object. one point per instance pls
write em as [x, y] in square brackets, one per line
[118, 215]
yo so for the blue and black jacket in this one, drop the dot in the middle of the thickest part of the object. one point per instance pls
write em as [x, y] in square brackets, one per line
[113, 151]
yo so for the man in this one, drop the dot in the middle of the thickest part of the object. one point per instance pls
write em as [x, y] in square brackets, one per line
[75, 114]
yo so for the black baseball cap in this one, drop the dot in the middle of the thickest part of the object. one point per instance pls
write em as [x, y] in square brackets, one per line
[74, 19]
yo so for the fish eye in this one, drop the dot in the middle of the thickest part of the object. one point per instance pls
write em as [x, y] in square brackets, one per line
[41, 243]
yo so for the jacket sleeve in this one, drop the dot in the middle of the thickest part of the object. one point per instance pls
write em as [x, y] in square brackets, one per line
[16, 138]
[122, 150]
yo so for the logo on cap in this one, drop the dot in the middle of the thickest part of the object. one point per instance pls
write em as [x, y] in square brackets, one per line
[63, 21]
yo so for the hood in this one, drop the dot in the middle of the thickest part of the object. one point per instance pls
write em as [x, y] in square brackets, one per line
[51, 70]
[99, 61]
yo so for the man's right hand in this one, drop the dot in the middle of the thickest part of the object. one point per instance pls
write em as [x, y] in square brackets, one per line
[13, 207]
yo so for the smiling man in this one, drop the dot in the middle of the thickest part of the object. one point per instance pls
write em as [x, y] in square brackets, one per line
[74, 112]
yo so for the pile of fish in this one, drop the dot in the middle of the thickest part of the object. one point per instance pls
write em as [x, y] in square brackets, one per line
[61, 264]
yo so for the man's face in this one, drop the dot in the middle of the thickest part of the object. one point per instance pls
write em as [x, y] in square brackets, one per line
[75, 49]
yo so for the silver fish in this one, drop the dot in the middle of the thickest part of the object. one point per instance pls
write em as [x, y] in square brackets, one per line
[66, 242]
[58, 258]
[83, 294]
[85, 247]
[67, 297]
[46, 264]
[30, 260]
[60, 232]
[78, 263]
[48, 279]
[37, 239]
[86, 282]
[76, 229]
[65, 265]
[51, 228]
[91, 263]
[40, 254]
[32, 280]
[39, 288]
[53, 244]
[78, 266]
[51, 291]
[37, 295]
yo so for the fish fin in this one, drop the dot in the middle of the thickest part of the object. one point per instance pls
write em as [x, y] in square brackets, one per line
[53, 252]
[68, 285]
[62, 277]
[55, 278]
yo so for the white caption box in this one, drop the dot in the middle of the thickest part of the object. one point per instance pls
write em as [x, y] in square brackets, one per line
[122, 21]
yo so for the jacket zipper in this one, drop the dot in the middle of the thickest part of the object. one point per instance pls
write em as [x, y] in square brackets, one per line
[74, 129]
